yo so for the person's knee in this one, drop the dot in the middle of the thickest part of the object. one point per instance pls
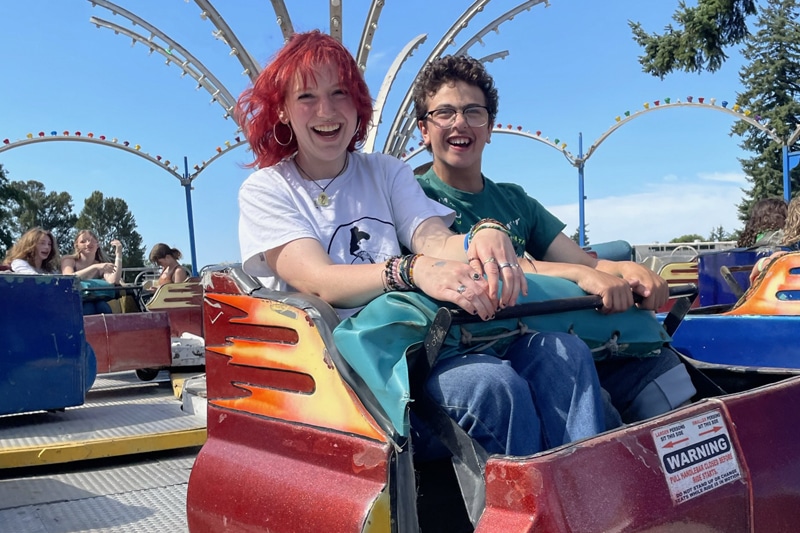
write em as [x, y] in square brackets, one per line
[475, 381]
[671, 389]
[490, 401]
[560, 348]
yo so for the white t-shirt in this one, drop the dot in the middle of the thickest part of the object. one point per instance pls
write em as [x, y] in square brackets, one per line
[375, 205]
[20, 266]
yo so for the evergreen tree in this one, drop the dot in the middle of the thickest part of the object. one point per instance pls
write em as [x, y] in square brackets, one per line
[719, 234]
[772, 91]
[110, 219]
[699, 44]
[577, 235]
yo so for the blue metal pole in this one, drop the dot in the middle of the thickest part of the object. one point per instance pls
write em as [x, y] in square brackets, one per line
[581, 197]
[787, 193]
[187, 186]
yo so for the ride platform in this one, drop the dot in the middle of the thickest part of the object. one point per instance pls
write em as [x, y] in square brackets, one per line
[121, 416]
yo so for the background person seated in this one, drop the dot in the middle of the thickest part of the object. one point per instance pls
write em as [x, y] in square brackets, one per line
[88, 261]
[765, 225]
[789, 237]
[171, 271]
[36, 252]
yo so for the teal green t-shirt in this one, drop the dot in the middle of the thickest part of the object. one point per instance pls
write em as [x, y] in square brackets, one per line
[533, 228]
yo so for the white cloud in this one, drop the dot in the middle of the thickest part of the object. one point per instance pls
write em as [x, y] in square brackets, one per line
[662, 213]
[727, 177]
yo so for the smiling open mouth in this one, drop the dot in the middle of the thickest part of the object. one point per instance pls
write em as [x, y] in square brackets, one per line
[327, 130]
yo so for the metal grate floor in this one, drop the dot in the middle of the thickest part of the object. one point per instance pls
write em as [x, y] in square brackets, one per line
[121, 416]
[144, 493]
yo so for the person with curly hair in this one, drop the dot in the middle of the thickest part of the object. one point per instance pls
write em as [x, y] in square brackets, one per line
[36, 252]
[456, 102]
[788, 238]
[322, 218]
[765, 225]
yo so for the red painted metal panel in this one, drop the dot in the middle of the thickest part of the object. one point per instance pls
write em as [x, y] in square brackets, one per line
[616, 481]
[129, 341]
[258, 474]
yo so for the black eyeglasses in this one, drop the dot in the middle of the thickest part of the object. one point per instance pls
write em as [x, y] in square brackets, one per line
[445, 117]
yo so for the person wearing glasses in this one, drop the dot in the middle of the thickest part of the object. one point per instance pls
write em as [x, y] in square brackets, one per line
[321, 218]
[456, 102]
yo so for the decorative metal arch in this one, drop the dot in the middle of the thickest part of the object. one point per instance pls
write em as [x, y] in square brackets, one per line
[509, 130]
[185, 180]
[404, 122]
[112, 143]
[579, 161]
[102, 140]
[173, 52]
[736, 111]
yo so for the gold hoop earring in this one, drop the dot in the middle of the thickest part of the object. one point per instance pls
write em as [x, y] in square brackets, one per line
[275, 135]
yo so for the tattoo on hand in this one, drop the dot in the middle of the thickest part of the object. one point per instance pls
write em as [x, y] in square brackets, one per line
[439, 263]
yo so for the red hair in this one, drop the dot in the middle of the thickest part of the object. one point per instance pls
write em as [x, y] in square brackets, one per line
[257, 108]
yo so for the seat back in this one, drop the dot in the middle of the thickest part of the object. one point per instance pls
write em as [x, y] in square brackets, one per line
[714, 288]
[776, 291]
[184, 304]
[283, 410]
[677, 273]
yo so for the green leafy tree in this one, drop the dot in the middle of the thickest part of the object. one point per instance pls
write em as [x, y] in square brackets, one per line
[698, 43]
[9, 197]
[772, 92]
[111, 219]
[687, 238]
[51, 211]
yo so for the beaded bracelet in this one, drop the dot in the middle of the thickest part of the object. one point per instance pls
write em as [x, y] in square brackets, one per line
[398, 273]
[485, 223]
[411, 270]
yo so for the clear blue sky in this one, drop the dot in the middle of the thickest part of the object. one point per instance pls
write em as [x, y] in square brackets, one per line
[572, 68]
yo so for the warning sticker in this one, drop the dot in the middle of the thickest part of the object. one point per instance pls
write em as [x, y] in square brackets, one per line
[696, 455]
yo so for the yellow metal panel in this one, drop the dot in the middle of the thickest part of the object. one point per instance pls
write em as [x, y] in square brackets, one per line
[66, 452]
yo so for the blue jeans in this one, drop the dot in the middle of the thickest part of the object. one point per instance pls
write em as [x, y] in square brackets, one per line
[543, 393]
[96, 307]
[641, 388]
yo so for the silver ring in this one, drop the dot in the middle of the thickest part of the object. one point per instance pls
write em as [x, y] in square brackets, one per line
[461, 289]
[476, 276]
[490, 260]
[515, 265]
[506, 265]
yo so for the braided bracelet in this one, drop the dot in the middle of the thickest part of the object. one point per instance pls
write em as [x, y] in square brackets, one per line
[485, 223]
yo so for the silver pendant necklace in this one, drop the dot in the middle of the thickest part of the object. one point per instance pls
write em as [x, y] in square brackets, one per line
[322, 200]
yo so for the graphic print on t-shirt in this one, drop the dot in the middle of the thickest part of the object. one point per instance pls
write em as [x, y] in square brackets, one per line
[366, 240]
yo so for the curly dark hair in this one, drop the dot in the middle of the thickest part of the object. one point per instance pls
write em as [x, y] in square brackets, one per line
[767, 214]
[791, 229]
[450, 69]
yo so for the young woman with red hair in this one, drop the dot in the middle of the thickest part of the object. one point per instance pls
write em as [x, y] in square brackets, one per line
[321, 218]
